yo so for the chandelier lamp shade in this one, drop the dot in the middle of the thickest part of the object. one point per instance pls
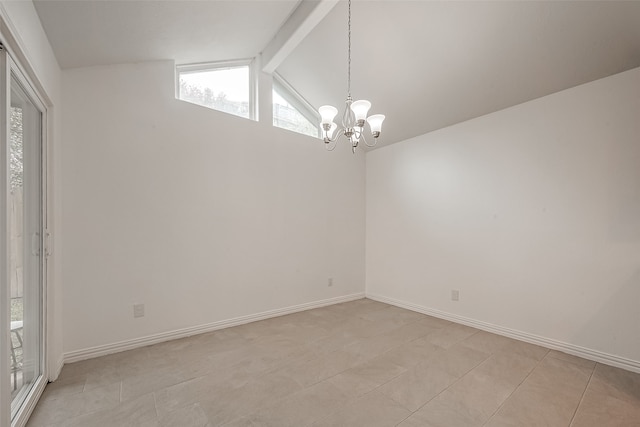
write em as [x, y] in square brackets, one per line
[354, 116]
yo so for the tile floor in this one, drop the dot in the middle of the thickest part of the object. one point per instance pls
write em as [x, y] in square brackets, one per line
[361, 363]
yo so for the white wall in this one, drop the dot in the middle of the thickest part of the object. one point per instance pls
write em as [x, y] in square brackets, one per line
[532, 213]
[200, 215]
[25, 26]
[26, 38]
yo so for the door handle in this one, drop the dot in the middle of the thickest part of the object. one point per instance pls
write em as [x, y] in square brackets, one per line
[48, 244]
[35, 244]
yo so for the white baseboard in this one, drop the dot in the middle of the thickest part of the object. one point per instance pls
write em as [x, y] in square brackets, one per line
[56, 368]
[103, 350]
[585, 353]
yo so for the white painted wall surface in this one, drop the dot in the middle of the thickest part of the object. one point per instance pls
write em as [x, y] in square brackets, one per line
[200, 215]
[532, 213]
[28, 31]
[24, 25]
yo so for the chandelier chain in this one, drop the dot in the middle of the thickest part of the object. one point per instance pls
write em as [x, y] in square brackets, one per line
[355, 112]
[349, 50]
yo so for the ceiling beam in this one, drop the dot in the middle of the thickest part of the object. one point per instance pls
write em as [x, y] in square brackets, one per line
[302, 21]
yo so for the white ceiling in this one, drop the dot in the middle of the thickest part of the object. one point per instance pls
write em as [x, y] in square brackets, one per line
[92, 32]
[440, 63]
[424, 64]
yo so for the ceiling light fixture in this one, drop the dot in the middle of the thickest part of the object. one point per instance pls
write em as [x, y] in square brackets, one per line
[354, 116]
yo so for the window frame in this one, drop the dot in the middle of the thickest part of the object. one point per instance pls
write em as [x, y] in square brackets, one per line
[224, 65]
[293, 97]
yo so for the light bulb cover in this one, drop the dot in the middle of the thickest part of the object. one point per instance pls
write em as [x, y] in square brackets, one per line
[375, 122]
[360, 109]
[332, 130]
[327, 114]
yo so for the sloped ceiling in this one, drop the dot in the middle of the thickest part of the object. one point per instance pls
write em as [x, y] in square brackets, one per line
[424, 64]
[92, 32]
[427, 64]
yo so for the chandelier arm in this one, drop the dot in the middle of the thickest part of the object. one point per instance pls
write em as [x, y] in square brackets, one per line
[338, 134]
[362, 137]
[375, 141]
[331, 145]
[360, 134]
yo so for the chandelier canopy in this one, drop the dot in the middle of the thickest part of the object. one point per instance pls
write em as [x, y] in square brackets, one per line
[354, 116]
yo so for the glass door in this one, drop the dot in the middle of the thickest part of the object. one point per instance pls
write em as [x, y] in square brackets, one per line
[25, 250]
[23, 220]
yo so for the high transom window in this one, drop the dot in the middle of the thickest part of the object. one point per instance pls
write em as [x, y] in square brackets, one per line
[225, 86]
[291, 111]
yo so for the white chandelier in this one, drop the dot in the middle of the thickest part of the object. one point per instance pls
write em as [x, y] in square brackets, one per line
[355, 114]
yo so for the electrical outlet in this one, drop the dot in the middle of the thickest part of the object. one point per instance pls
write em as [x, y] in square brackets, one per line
[138, 310]
[455, 295]
[330, 282]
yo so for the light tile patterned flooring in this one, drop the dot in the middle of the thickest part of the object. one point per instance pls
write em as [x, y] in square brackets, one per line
[361, 363]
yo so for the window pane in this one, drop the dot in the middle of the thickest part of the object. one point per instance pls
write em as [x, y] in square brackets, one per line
[225, 89]
[286, 116]
[25, 244]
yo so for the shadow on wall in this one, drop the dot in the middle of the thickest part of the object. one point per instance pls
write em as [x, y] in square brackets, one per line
[616, 316]
[624, 193]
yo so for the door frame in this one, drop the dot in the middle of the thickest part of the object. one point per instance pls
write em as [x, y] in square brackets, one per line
[9, 68]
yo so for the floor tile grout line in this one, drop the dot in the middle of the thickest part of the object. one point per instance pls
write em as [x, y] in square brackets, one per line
[516, 389]
[80, 415]
[575, 412]
[379, 385]
[405, 419]
[155, 406]
[388, 381]
[303, 352]
[453, 383]
[281, 399]
[414, 366]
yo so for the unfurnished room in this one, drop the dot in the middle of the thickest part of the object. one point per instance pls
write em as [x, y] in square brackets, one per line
[358, 213]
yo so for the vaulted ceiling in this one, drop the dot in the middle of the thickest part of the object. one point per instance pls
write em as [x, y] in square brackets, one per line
[424, 64]
[92, 32]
